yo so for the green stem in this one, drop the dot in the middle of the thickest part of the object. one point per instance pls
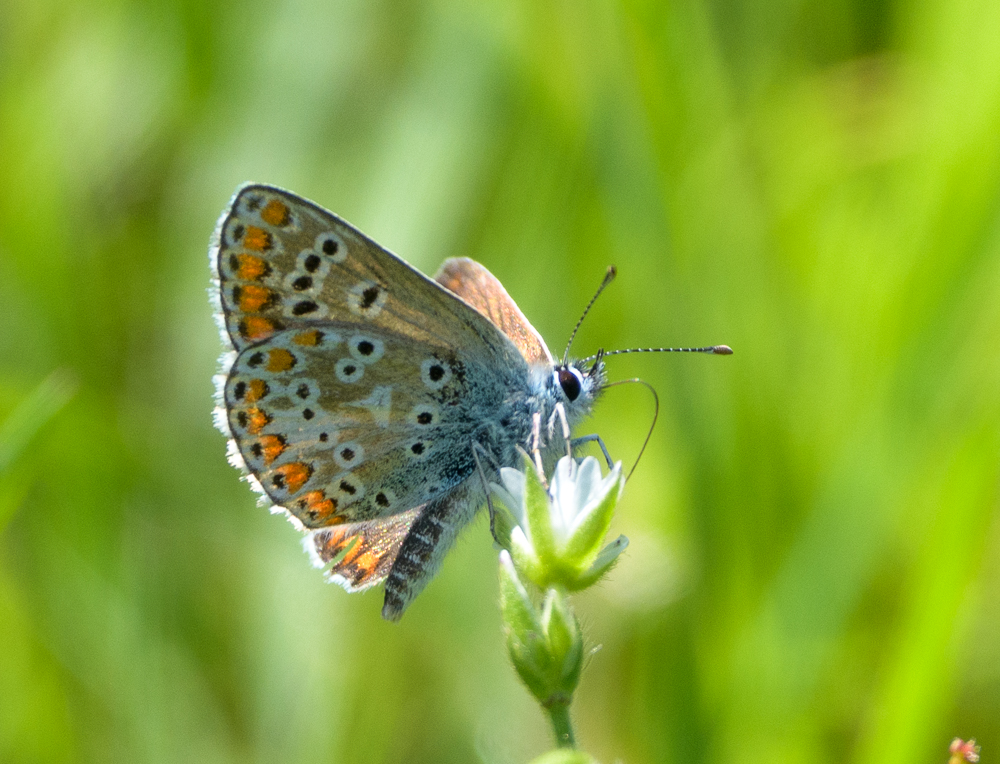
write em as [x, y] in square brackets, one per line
[561, 725]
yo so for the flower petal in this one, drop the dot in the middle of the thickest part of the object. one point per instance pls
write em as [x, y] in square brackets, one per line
[511, 493]
[594, 519]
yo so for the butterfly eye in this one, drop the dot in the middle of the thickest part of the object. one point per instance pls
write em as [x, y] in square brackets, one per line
[570, 381]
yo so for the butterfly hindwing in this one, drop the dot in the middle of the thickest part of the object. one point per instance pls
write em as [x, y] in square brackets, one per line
[360, 555]
[404, 550]
[341, 425]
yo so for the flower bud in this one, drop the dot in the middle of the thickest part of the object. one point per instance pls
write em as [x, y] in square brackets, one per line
[546, 648]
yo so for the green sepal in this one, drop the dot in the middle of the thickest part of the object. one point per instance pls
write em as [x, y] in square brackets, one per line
[525, 559]
[503, 525]
[581, 548]
[526, 642]
[605, 561]
[537, 516]
[565, 641]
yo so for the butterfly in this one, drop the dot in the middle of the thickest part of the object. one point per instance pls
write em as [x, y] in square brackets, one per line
[367, 401]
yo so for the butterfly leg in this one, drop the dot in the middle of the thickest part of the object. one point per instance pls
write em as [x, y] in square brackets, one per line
[425, 546]
[536, 437]
[560, 412]
[476, 448]
[592, 439]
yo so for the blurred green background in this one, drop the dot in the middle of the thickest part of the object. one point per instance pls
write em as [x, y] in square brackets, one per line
[814, 573]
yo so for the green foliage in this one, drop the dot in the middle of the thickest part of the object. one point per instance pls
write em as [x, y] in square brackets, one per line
[815, 545]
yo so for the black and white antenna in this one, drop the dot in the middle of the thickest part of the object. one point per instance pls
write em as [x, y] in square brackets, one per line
[711, 350]
[608, 278]
[602, 354]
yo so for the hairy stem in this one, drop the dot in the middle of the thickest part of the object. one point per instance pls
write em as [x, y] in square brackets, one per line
[561, 725]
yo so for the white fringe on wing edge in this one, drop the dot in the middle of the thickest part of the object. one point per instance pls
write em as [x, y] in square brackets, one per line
[226, 361]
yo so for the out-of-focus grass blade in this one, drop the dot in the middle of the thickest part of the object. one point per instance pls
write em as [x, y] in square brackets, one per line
[32, 413]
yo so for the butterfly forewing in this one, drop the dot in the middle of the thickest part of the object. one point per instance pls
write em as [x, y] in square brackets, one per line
[342, 392]
[283, 261]
[484, 292]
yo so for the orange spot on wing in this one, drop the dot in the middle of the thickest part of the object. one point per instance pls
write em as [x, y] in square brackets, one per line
[272, 446]
[255, 328]
[366, 564]
[257, 238]
[257, 420]
[332, 539]
[275, 213]
[295, 475]
[307, 338]
[353, 552]
[330, 542]
[254, 298]
[251, 267]
[279, 359]
[256, 389]
[319, 508]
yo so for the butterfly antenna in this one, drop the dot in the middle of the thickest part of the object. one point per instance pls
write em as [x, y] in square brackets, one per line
[711, 350]
[656, 414]
[608, 278]
[597, 363]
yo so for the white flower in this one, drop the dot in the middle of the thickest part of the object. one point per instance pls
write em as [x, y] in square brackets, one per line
[559, 532]
[577, 492]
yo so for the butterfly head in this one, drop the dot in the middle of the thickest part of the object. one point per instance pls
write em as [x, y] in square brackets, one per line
[577, 386]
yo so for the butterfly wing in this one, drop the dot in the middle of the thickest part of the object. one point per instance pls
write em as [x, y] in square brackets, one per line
[484, 292]
[360, 555]
[340, 423]
[340, 398]
[282, 261]
[342, 387]
[407, 549]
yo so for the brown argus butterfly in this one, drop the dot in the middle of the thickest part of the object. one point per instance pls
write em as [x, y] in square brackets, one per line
[369, 402]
